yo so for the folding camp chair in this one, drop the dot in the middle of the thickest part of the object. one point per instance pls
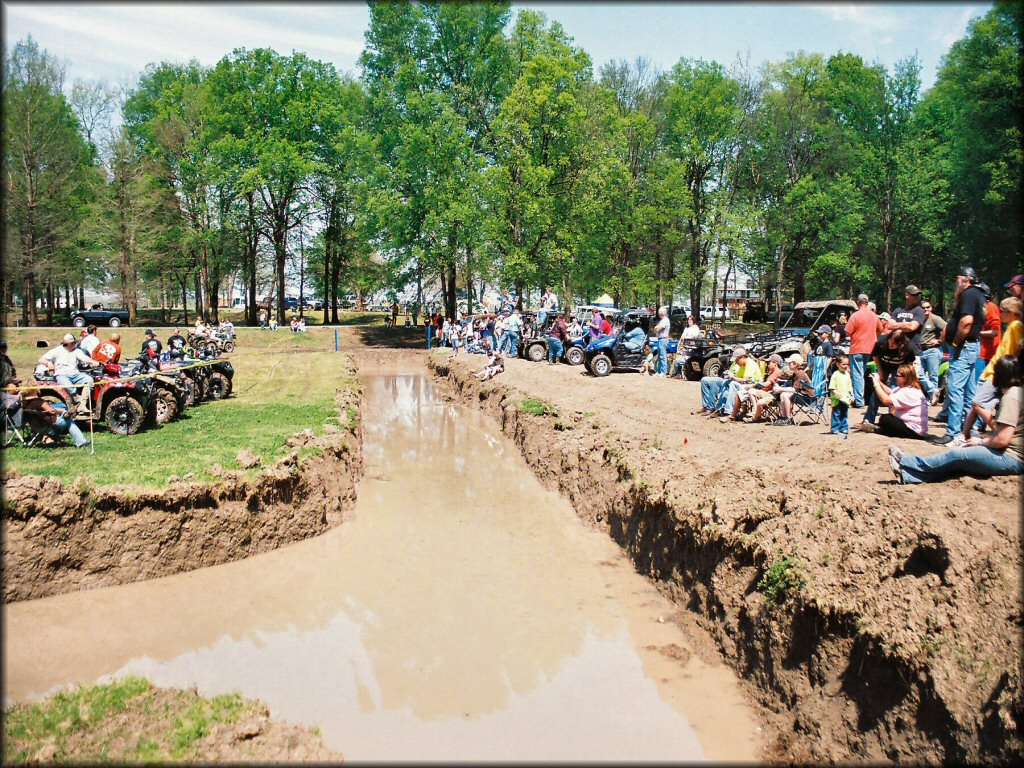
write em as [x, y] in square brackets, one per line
[20, 425]
[812, 404]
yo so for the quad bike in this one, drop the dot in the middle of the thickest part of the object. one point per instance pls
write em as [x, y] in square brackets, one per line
[170, 389]
[121, 404]
[213, 382]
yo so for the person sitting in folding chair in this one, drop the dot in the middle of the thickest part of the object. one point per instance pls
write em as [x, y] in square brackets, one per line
[812, 401]
[41, 419]
[799, 384]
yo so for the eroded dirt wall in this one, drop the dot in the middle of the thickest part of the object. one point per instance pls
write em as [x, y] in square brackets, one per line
[856, 662]
[59, 538]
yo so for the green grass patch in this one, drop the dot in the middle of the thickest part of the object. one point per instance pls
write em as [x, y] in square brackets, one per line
[782, 578]
[537, 408]
[127, 720]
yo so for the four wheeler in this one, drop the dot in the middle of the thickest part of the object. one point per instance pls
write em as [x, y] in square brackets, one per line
[121, 404]
[171, 389]
[534, 346]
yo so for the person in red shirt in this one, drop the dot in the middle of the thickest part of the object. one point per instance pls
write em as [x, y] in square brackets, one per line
[108, 351]
[863, 329]
[991, 332]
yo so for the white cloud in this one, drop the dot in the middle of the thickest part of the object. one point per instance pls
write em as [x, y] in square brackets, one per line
[863, 17]
[950, 32]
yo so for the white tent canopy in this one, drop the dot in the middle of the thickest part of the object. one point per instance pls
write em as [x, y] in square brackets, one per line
[604, 300]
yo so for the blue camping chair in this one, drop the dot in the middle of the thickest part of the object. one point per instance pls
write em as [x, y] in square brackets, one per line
[812, 404]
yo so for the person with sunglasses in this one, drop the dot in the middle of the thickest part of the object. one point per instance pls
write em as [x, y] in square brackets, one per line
[908, 415]
[931, 349]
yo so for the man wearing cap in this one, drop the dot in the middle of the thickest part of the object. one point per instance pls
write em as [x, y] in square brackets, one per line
[744, 372]
[910, 320]
[151, 344]
[762, 394]
[963, 334]
[931, 349]
[64, 361]
[1016, 287]
[661, 329]
[863, 329]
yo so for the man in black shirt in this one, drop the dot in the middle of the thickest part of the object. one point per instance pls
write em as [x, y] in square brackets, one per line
[963, 333]
[910, 319]
[152, 344]
[176, 345]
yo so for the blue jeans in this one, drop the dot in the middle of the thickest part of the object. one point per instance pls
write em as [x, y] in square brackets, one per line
[857, 363]
[979, 368]
[873, 402]
[931, 358]
[839, 422]
[71, 381]
[732, 393]
[712, 389]
[960, 385]
[677, 365]
[66, 424]
[978, 460]
[512, 344]
[662, 357]
[555, 349]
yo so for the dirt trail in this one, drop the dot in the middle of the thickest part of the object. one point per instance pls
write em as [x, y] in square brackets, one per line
[60, 538]
[896, 633]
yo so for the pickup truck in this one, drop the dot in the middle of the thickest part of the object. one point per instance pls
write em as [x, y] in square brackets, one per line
[97, 315]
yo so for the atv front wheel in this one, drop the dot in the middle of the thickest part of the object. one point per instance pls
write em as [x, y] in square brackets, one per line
[601, 365]
[713, 367]
[165, 407]
[217, 386]
[124, 415]
[536, 353]
[229, 346]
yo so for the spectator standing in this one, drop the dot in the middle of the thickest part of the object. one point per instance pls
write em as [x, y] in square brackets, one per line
[595, 324]
[1001, 453]
[262, 319]
[557, 338]
[548, 304]
[513, 329]
[89, 343]
[986, 396]
[662, 329]
[891, 351]
[963, 334]
[823, 347]
[1016, 287]
[840, 389]
[910, 319]
[991, 332]
[931, 350]
[863, 329]
[499, 333]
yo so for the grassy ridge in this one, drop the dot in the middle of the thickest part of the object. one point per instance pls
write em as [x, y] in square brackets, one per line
[284, 383]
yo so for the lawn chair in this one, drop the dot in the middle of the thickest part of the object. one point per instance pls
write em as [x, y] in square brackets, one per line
[20, 425]
[811, 404]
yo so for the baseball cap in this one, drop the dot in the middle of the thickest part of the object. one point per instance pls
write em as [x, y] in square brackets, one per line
[739, 352]
[796, 357]
[149, 332]
[3, 343]
[913, 290]
[1017, 280]
[777, 359]
[863, 299]
[824, 328]
[885, 316]
[68, 339]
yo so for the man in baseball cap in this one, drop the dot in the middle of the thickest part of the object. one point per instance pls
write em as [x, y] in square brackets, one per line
[1016, 287]
[63, 361]
[911, 320]
[963, 334]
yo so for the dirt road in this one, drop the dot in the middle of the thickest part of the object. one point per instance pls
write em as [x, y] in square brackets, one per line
[895, 628]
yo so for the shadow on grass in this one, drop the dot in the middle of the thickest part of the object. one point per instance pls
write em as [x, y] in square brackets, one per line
[380, 336]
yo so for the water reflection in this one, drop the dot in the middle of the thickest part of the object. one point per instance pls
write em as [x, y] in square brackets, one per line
[463, 613]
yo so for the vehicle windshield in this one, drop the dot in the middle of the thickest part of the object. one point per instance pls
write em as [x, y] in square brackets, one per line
[802, 318]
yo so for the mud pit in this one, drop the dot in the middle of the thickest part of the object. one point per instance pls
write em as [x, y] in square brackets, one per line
[462, 613]
[904, 640]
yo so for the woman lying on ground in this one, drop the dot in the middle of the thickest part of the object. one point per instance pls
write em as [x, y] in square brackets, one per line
[1001, 453]
[908, 404]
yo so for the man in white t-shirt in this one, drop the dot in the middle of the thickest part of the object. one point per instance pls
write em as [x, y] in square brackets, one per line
[90, 342]
[63, 361]
[513, 329]
[661, 329]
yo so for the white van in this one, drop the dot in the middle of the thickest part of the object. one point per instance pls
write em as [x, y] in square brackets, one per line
[715, 313]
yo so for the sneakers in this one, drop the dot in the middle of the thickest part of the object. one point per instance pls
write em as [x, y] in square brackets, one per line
[867, 426]
[784, 422]
[934, 399]
[958, 441]
[895, 457]
[944, 440]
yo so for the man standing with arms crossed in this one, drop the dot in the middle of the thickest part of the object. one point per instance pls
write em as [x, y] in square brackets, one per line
[963, 333]
[931, 348]
[911, 320]
[662, 329]
[863, 329]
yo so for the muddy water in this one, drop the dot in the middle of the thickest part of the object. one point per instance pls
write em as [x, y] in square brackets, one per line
[464, 613]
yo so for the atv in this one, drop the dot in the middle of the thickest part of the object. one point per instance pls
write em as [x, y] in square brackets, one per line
[171, 389]
[121, 404]
[609, 353]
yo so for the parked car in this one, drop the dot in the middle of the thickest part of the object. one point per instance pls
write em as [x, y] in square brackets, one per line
[97, 315]
[715, 313]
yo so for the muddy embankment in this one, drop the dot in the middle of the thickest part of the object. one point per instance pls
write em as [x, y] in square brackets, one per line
[60, 538]
[868, 629]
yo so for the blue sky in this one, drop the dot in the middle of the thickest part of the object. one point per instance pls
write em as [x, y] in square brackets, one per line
[115, 41]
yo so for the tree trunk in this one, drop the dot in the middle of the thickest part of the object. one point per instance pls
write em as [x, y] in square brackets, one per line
[184, 297]
[280, 231]
[197, 279]
[81, 296]
[469, 282]
[778, 285]
[49, 302]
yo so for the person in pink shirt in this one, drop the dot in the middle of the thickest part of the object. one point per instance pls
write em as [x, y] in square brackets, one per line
[863, 329]
[908, 404]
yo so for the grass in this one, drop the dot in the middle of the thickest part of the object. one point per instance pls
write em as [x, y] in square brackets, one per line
[537, 408]
[92, 724]
[280, 387]
[782, 578]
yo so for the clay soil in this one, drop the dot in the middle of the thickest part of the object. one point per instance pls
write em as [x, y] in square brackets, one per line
[874, 621]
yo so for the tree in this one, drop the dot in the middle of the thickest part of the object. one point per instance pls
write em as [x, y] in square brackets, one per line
[46, 164]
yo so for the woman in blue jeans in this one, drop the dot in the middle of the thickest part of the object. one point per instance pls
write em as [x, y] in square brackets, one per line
[1001, 453]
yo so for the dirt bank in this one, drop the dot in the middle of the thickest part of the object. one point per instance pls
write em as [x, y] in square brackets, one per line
[131, 721]
[875, 621]
[59, 538]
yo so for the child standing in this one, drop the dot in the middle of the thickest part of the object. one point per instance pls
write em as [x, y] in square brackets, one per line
[840, 388]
